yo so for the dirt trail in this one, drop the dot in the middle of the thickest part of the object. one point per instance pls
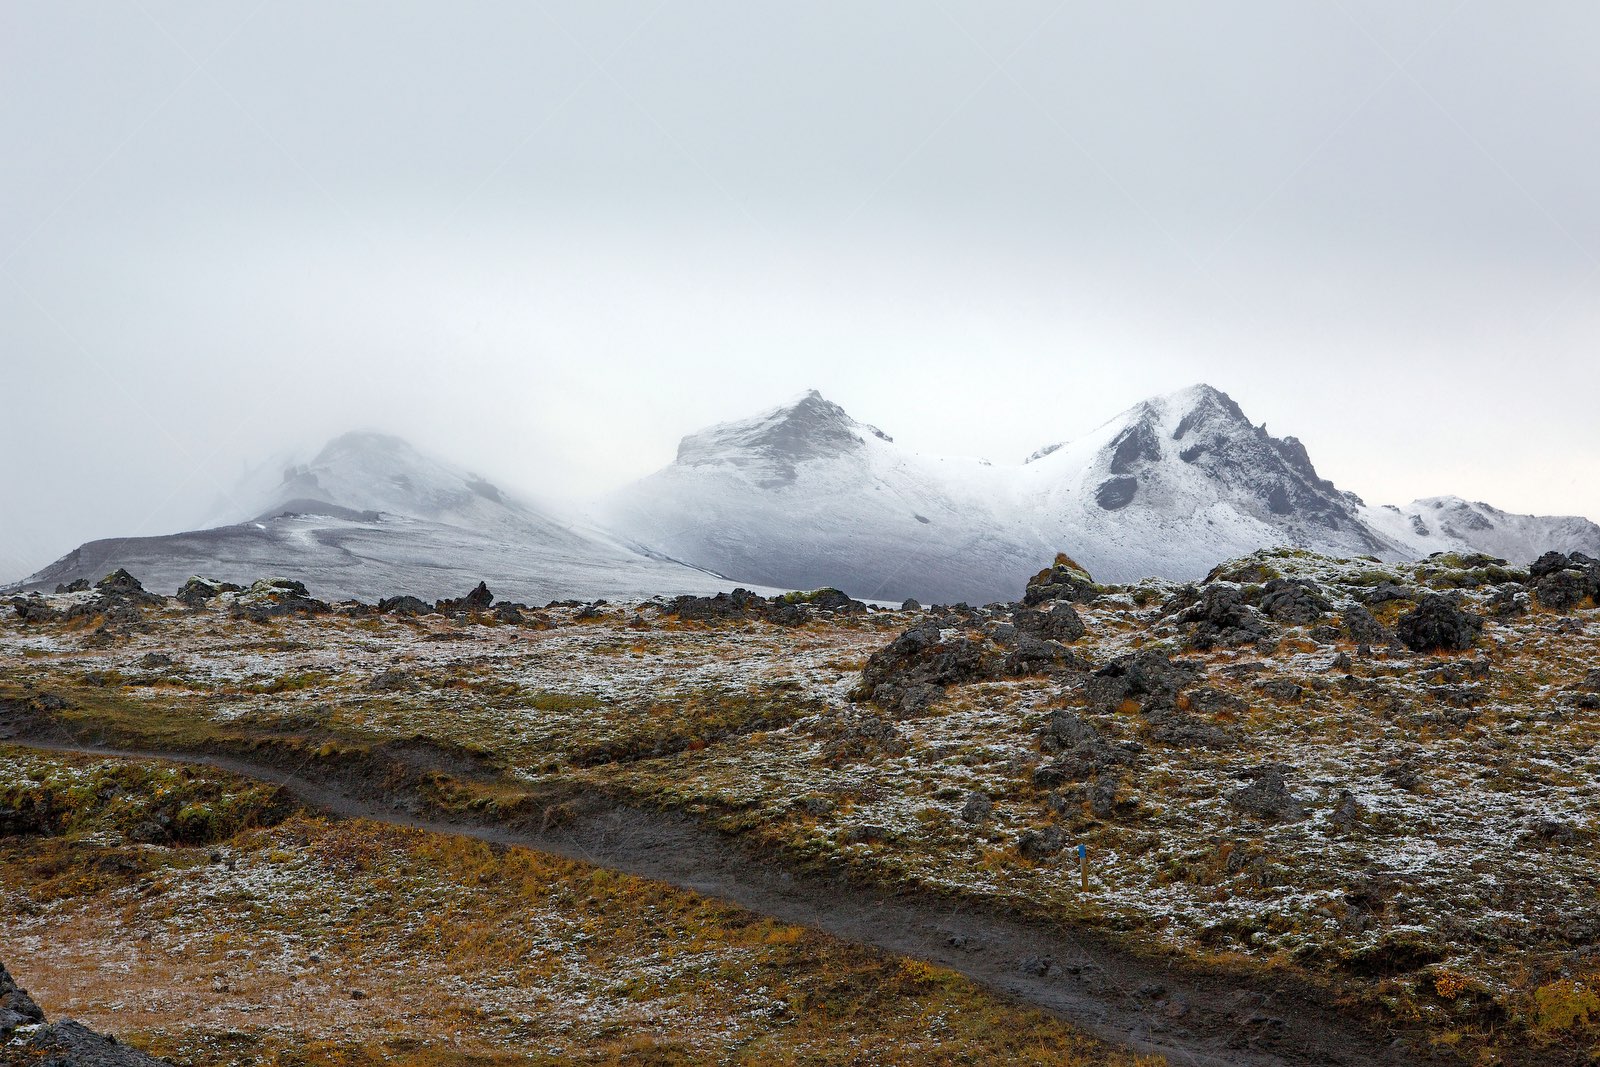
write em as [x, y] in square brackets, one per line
[1193, 1021]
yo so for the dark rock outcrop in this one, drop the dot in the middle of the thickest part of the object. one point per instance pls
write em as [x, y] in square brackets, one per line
[1438, 624]
[274, 598]
[475, 602]
[1063, 580]
[197, 590]
[120, 586]
[1060, 623]
[1364, 627]
[1268, 797]
[1562, 590]
[793, 609]
[404, 605]
[1220, 617]
[976, 645]
[1149, 678]
[26, 1037]
[1293, 601]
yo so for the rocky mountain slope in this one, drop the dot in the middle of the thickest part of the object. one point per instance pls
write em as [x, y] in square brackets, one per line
[371, 517]
[804, 495]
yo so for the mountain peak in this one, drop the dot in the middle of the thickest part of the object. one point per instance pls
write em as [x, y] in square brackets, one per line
[773, 443]
[364, 441]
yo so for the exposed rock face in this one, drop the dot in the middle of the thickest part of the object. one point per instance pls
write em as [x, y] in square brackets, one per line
[1268, 798]
[1063, 580]
[1149, 678]
[1364, 627]
[119, 600]
[1220, 617]
[16, 1007]
[119, 585]
[1563, 581]
[1438, 624]
[1562, 590]
[474, 603]
[404, 605]
[1060, 623]
[1114, 494]
[790, 610]
[1294, 601]
[198, 590]
[912, 670]
[274, 597]
[27, 1038]
[772, 445]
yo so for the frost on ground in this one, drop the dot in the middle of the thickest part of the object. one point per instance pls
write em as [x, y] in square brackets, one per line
[268, 936]
[1263, 771]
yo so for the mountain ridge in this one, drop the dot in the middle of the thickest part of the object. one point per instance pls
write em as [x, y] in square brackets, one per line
[803, 495]
[1164, 487]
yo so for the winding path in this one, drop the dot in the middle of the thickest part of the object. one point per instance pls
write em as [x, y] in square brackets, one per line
[1193, 1021]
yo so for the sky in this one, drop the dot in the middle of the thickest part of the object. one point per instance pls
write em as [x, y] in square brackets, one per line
[545, 240]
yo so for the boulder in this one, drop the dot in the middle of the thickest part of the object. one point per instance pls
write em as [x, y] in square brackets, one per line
[977, 808]
[119, 588]
[1364, 627]
[1042, 843]
[1063, 580]
[1060, 623]
[1221, 618]
[1549, 563]
[1294, 601]
[16, 1007]
[34, 608]
[1438, 623]
[909, 673]
[473, 603]
[1267, 797]
[1384, 592]
[1562, 590]
[1150, 678]
[275, 598]
[404, 605]
[197, 590]
[834, 600]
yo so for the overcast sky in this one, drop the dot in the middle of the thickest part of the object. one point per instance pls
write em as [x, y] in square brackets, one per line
[547, 240]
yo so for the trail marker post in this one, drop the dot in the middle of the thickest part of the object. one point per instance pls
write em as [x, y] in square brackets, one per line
[1083, 865]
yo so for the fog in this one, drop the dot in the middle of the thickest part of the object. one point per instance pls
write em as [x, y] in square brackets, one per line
[547, 241]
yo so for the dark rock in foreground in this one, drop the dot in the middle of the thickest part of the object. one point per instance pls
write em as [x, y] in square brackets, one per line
[27, 1038]
[791, 609]
[1438, 624]
[1063, 580]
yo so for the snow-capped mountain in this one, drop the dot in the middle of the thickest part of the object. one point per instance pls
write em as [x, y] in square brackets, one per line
[803, 495]
[370, 517]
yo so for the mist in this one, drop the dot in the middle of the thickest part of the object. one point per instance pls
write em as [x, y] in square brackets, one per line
[548, 243]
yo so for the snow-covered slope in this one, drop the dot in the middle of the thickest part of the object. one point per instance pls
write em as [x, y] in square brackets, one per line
[805, 495]
[1179, 482]
[371, 517]
[1446, 523]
